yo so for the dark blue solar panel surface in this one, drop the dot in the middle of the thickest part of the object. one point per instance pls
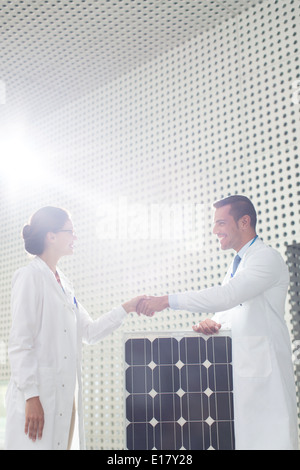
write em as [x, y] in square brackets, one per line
[179, 393]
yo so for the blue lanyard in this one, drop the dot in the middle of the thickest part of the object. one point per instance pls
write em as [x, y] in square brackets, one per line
[254, 239]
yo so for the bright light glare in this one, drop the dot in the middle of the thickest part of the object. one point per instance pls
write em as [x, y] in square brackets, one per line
[20, 166]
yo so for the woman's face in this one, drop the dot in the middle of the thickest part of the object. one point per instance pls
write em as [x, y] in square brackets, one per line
[64, 239]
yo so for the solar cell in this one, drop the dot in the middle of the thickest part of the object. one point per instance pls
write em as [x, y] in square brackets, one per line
[179, 391]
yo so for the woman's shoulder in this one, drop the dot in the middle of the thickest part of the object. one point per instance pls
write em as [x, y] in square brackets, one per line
[30, 271]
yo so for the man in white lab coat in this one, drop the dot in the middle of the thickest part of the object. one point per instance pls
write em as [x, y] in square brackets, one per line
[251, 303]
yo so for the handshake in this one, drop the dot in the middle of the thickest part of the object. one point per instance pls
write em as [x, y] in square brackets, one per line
[145, 305]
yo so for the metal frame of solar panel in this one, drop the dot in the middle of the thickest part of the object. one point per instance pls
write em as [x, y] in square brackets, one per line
[179, 391]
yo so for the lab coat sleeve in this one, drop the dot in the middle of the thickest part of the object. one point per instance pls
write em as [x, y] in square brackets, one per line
[93, 331]
[26, 317]
[257, 276]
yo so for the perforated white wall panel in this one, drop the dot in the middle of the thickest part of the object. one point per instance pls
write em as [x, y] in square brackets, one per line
[54, 51]
[139, 161]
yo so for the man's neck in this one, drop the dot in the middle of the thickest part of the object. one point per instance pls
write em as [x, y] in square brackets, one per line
[245, 241]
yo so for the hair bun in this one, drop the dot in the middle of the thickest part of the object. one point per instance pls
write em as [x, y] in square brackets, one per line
[27, 231]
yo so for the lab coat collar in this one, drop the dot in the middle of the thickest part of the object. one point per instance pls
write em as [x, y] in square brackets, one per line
[245, 247]
[243, 253]
[68, 288]
[43, 266]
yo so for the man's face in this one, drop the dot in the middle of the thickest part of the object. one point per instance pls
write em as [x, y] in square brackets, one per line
[226, 229]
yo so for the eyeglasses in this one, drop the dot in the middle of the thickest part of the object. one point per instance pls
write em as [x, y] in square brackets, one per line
[68, 231]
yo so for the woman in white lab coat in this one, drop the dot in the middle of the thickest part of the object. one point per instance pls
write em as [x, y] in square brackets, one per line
[48, 328]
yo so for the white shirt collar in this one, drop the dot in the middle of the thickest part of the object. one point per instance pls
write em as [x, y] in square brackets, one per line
[245, 248]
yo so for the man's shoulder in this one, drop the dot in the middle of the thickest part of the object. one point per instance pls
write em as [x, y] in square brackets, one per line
[260, 246]
[266, 254]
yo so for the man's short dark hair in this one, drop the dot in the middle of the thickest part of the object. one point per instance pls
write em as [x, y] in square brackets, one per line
[240, 206]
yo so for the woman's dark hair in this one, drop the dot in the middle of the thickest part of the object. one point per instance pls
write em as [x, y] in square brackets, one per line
[47, 219]
[240, 206]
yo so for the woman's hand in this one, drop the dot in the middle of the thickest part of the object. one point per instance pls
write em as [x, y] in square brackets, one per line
[131, 305]
[34, 418]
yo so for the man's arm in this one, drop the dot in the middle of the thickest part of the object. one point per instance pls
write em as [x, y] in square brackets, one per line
[156, 304]
[258, 276]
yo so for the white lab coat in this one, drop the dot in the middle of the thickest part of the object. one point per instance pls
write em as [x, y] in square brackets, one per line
[48, 328]
[252, 305]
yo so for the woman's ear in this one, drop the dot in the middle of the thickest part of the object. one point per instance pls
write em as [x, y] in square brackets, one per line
[50, 238]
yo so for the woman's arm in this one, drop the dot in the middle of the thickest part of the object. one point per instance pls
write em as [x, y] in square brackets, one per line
[26, 308]
[94, 331]
[26, 313]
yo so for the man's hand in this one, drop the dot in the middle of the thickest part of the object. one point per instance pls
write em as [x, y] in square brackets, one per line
[207, 327]
[34, 418]
[150, 305]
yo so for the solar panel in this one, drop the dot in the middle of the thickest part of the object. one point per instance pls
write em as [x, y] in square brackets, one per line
[179, 392]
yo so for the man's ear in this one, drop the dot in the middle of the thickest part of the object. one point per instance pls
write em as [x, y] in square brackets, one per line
[245, 222]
